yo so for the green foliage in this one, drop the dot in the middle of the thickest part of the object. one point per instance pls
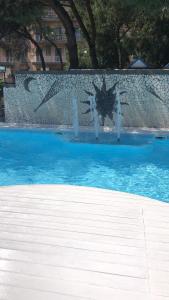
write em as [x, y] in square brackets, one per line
[16, 45]
[128, 28]
[84, 59]
[150, 40]
[148, 6]
[118, 20]
[123, 28]
[17, 13]
[20, 11]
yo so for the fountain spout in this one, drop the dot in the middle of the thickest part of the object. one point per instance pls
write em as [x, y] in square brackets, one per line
[75, 117]
[94, 115]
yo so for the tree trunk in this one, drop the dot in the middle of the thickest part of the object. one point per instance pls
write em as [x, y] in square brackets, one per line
[119, 56]
[93, 56]
[70, 33]
[57, 49]
[93, 51]
[118, 46]
[40, 52]
[91, 40]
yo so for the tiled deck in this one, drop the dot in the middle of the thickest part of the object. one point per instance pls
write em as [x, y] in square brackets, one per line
[68, 243]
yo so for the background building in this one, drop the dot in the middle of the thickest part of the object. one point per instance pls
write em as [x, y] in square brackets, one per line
[28, 57]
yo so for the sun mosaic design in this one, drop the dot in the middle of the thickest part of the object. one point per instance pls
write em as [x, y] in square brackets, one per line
[46, 98]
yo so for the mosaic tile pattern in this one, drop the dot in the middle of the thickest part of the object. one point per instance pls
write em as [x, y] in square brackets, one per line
[46, 98]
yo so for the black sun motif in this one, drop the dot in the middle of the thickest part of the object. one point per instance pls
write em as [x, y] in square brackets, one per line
[105, 100]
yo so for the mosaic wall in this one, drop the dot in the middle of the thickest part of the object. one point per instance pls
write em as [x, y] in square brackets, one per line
[46, 98]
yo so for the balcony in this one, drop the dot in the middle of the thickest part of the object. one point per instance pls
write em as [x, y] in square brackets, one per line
[6, 61]
[55, 38]
[11, 60]
[50, 15]
[50, 18]
[60, 37]
[49, 60]
[3, 60]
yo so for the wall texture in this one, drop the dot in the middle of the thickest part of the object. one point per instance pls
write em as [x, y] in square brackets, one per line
[46, 98]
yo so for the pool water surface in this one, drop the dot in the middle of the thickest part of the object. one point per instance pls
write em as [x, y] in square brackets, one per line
[139, 164]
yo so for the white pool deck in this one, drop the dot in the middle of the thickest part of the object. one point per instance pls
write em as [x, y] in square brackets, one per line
[65, 243]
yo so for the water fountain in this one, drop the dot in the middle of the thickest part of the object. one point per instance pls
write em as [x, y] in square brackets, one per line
[146, 95]
[118, 116]
[94, 115]
[75, 117]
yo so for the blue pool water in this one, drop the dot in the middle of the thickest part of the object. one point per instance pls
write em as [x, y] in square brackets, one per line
[139, 165]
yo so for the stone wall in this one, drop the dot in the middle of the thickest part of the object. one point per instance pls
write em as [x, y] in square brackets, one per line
[46, 98]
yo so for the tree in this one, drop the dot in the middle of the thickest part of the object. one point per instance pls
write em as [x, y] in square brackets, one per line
[47, 33]
[149, 38]
[112, 29]
[24, 32]
[83, 12]
[59, 7]
[117, 21]
[17, 46]
[51, 41]
[19, 16]
[104, 24]
[22, 15]
[129, 27]
[150, 6]
[15, 13]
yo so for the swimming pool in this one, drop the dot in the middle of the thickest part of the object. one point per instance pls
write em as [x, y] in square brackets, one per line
[139, 165]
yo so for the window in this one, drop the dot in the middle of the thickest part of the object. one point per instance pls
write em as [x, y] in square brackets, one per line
[48, 50]
[58, 33]
[57, 57]
[58, 30]
[50, 12]
[23, 56]
[38, 37]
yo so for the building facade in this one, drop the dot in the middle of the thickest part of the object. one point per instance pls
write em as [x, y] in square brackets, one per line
[30, 59]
